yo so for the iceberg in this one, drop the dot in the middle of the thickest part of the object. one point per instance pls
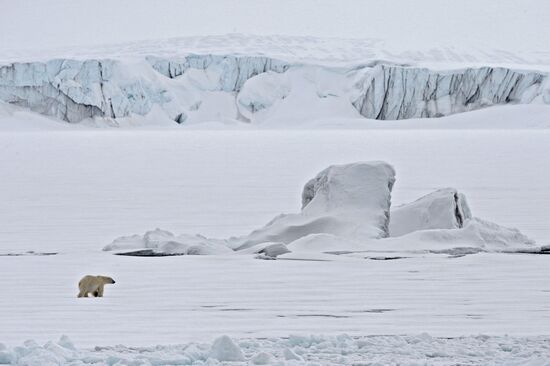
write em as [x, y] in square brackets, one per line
[346, 209]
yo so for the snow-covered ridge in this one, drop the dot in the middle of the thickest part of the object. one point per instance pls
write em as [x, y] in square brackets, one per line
[258, 89]
[309, 49]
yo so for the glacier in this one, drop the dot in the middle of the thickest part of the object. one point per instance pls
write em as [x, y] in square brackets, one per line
[259, 89]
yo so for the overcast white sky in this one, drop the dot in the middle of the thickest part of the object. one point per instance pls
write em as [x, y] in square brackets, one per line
[503, 24]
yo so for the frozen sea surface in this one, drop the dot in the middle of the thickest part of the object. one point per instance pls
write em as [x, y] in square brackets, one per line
[72, 192]
[172, 300]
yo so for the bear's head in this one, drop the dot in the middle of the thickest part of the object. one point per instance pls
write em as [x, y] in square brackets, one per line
[106, 279]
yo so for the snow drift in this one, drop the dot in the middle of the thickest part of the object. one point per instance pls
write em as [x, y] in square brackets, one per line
[345, 210]
[258, 89]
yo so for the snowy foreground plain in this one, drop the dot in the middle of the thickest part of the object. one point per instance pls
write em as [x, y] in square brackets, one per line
[73, 191]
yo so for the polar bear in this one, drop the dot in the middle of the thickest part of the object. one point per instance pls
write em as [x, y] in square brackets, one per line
[94, 285]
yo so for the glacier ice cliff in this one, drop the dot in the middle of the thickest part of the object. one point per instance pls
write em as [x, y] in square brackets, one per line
[74, 90]
[197, 88]
[40, 87]
[233, 71]
[393, 92]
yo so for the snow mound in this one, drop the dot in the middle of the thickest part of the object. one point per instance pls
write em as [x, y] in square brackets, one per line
[442, 209]
[223, 349]
[262, 358]
[291, 356]
[261, 93]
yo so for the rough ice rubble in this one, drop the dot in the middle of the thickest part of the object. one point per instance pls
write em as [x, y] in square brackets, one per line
[295, 350]
[346, 209]
[198, 88]
[164, 242]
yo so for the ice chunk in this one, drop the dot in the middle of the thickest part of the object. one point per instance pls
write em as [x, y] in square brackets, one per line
[164, 242]
[351, 201]
[351, 187]
[290, 355]
[262, 358]
[151, 239]
[65, 342]
[126, 242]
[442, 209]
[223, 349]
[5, 356]
[268, 249]
[173, 247]
[157, 237]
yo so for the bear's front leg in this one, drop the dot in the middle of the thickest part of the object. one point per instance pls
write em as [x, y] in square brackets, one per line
[100, 291]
